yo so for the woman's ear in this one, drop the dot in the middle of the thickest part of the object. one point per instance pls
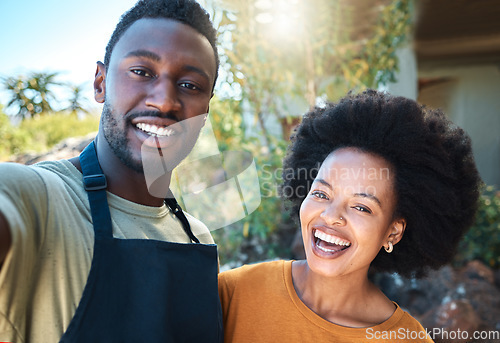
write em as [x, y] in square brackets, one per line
[397, 231]
[100, 83]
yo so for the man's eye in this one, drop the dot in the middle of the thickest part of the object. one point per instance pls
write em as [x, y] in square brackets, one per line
[189, 86]
[141, 72]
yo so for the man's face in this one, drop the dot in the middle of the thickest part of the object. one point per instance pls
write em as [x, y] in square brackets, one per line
[161, 72]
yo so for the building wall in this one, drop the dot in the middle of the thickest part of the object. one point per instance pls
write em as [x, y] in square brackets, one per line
[471, 98]
[406, 79]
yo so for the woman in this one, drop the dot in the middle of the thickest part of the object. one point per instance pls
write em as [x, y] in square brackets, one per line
[377, 182]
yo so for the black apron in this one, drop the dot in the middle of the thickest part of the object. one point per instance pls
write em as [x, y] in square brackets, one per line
[141, 290]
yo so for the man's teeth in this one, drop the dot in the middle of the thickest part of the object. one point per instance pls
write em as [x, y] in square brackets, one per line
[154, 130]
[331, 239]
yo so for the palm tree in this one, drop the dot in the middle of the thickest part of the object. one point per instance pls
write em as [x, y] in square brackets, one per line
[77, 100]
[41, 84]
[17, 86]
[32, 95]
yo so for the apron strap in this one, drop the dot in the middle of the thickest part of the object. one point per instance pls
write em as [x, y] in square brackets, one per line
[94, 182]
[177, 210]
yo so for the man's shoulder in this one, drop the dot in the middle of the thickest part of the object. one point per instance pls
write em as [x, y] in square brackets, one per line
[10, 169]
[41, 175]
[13, 170]
[199, 229]
[19, 174]
[63, 167]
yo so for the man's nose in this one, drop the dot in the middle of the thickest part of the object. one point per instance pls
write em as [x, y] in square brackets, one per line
[164, 96]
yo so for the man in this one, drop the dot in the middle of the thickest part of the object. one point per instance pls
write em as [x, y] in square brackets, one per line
[87, 254]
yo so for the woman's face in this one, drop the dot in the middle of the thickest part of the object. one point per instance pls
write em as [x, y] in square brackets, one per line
[347, 216]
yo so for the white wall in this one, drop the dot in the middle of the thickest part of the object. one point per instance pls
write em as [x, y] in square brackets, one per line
[471, 98]
[406, 84]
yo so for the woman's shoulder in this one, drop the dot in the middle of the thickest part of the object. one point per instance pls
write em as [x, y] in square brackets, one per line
[254, 273]
[406, 326]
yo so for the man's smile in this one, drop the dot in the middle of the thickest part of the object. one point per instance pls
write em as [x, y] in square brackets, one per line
[155, 130]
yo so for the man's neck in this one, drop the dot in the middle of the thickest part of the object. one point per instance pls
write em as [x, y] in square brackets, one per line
[122, 180]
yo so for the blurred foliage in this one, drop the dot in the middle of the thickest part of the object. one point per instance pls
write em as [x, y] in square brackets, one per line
[41, 133]
[281, 50]
[12, 140]
[255, 230]
[482, 241]
[33, 95]
[280, 58]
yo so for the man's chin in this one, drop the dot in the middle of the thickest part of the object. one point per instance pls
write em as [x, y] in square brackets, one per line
[128, 161]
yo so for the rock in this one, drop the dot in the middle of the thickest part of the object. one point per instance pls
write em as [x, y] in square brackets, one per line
[484, 298]
[478, 270]
[417, 296]
[467, 299]
[66, 149]
[497, 278]
[453, 321]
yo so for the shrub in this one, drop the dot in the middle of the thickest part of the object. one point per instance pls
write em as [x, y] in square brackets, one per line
[482, 241]
[41, 133]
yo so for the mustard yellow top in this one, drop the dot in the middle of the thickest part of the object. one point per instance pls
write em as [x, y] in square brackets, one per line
[259, 304]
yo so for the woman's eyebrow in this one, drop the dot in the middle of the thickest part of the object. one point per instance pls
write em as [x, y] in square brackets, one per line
[323, 182]
[369, 196]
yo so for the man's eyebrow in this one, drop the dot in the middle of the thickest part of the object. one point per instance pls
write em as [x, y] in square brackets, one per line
[144, 53]
[197, 70]
[369, 196]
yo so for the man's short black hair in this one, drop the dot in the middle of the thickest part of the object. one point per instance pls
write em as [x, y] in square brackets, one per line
[188, 12]
[435, 176]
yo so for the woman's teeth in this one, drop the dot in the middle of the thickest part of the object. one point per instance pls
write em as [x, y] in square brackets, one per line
[154, 130]
[331, 239]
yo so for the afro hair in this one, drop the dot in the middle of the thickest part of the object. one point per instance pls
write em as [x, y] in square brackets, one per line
[436, 180]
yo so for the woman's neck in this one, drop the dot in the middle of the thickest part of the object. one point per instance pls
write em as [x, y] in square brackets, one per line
[349, 300]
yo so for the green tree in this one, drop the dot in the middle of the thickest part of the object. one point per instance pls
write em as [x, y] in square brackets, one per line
[77, 100]
[284, 52]
[280, 57]
[17, 87]
[33, 94]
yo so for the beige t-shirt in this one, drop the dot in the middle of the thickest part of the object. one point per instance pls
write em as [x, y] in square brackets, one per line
[46, 268]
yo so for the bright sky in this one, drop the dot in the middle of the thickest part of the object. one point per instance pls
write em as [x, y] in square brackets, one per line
[56, 35]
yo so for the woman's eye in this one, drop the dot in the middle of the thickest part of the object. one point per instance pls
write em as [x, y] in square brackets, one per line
[141, 72]
[319, 195]
[362, 209]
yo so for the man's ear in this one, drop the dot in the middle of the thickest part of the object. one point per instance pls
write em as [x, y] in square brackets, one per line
[397, 231]
[100, 83]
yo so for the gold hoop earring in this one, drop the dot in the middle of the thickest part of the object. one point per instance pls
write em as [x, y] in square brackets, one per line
[390, 248]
